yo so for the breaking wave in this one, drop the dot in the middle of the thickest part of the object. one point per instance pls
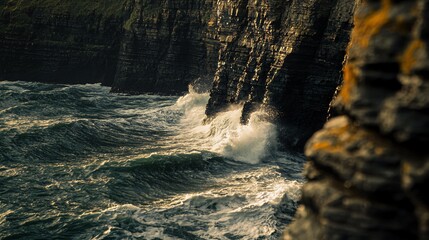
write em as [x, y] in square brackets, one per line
[224, 134]
[79, 163]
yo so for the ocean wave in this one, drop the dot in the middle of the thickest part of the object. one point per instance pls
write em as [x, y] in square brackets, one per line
[79, 163]
[219, 212]
[225, 134]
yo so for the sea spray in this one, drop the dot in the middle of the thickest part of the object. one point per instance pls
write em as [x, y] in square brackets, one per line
[224, 134]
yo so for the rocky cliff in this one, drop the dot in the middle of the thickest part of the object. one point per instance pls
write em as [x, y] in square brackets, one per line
[166, 45]
[60, 41]
[368, 169]
[285, 56]
[135, 46]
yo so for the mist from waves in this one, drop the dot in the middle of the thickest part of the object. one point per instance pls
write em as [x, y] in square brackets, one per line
[79, 163]
[225, 134]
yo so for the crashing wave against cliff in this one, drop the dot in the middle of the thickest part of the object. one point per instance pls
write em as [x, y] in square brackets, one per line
[283, 55]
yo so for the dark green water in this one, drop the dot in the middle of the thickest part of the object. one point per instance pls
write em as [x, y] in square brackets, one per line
[77, 162]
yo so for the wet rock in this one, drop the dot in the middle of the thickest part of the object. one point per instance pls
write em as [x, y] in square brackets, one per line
[283, 55]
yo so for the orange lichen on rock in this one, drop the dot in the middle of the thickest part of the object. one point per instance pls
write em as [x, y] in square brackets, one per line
[408, 59]
[211, 23]
[329, 139]
[366, 27]
[325, 146]
[350, 81]
[336, 140]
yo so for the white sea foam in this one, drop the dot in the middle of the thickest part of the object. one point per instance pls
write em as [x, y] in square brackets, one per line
[243, 204]
[224, 134]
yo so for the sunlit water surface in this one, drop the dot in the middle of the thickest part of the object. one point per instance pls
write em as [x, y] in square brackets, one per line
[77, 162]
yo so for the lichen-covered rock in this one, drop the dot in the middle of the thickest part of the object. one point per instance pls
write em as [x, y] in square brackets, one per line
[368, 170]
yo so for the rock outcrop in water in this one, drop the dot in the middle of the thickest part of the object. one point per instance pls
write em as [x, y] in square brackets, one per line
[284, 55]
[368, 169]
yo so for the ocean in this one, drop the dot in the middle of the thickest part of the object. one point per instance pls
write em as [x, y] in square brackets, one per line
[78, 162]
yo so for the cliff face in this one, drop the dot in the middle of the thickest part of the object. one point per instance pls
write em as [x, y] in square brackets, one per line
[368, 169]
[135, 46]
[69, 42]
[285, 56]
[166, 45]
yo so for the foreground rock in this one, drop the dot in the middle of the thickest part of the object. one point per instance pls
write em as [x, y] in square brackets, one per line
[368, 169]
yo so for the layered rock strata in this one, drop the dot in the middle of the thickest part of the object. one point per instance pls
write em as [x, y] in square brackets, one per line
[166, 45]
[133, 45]
[368, 169]
[285, 56]
[66, 42]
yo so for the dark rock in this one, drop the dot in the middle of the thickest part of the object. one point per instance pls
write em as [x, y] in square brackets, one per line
[134, 46]
[368, 170]
[167, 44]
[65, 43]
[285, 56]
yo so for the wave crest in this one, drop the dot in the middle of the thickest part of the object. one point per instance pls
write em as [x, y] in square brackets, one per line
[224, 134]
